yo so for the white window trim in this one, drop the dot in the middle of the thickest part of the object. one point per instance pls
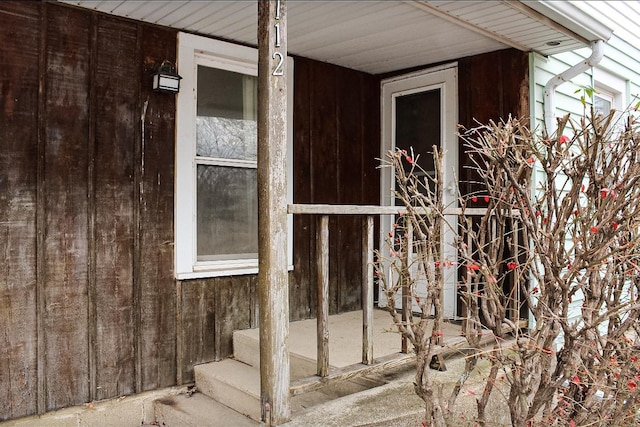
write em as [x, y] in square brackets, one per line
[231, 57]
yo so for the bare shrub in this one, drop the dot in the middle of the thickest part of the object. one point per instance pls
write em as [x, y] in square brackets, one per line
[550, 268]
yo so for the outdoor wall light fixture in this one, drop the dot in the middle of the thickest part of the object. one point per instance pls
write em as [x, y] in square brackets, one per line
[166, 79]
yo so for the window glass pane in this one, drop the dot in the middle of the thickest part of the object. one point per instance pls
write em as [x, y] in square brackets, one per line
[226, 124]
[227, 212]
[601, 105]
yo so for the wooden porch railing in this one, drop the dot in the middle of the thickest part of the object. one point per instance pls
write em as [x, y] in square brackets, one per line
[322, 251]
[322, 262]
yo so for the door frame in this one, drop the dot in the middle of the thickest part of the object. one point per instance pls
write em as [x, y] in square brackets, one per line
[444, 77]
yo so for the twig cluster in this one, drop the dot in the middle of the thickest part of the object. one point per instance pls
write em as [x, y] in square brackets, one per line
[550, 266]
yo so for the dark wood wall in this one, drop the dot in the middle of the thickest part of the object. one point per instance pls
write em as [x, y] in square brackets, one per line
[337, 141]
[89, 307]
[87, 296]
[209, 311]
[18, 171]
[491, 86]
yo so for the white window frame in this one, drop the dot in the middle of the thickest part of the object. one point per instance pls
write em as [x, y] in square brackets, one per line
[194, 50]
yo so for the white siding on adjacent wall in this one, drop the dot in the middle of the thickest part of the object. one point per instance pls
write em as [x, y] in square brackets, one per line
[567, 100]
[622, 52]
[621, 59]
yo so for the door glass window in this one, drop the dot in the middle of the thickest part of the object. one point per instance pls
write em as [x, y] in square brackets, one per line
[418, 123]
[417, 130]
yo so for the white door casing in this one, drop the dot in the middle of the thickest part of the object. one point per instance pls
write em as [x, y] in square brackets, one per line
[445, 79]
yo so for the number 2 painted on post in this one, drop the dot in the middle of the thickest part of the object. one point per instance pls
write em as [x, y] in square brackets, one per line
[278, 71]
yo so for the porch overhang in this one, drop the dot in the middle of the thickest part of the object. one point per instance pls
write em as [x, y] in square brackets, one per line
[382, 36]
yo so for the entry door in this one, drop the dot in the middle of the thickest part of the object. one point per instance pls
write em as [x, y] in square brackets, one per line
[420, 110]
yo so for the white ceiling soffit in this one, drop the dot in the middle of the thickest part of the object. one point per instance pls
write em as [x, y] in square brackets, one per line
[376, 36]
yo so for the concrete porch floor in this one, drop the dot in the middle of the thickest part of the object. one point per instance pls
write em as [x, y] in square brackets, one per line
[345, 337]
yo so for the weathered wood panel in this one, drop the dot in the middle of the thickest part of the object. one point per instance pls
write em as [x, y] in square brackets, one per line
[301, 294]
[370, 144]
[336, 145]
[156, 290]
[491, 87]
[211, 310]
[18, 160]
[85, 198]
[324, 152]
[349, 117]
[197, 323]
[115, 89]
[235, 308]
[65, 180]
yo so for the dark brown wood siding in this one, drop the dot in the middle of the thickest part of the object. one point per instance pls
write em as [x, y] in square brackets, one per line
[63, 282]
[211, 309]
[19, 41]
[87, 295]
[491, 86]
[336, 142]
[112, 195]
[156, 289]
[89, 307]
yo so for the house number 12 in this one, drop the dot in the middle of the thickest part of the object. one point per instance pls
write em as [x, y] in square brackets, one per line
[278, 70]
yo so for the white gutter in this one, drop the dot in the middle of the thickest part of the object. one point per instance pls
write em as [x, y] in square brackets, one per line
[573, 18]
[597, 52]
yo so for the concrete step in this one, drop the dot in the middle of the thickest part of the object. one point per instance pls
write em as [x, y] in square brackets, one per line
[237, 385]
[232, 383]
[197, 411]
[246, 349]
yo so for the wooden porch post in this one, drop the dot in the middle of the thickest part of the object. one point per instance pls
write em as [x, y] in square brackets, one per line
[273, 286]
